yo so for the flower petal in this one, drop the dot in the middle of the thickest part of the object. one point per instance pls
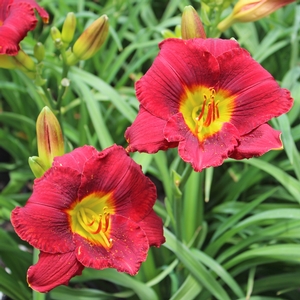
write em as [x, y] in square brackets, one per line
[257, 142]
[128, 251]
[218, 46]
[45, 228]
[17, 19]
[41, 11]
[52, 270]
[75, 159]
[209, 153]
[153, 227]
[259, 97]
[42, 221]
[180, 64]
[114, 171]
[146, 133]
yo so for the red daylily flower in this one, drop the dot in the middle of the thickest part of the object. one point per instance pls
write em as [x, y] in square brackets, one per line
[17, 17]
[90, 209]
[209, 98]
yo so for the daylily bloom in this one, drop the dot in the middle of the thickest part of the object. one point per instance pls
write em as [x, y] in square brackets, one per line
[209, 98]
[251, 10]
[17, 17]
[90, 209]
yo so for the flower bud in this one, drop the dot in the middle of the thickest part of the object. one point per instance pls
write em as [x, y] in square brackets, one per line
[39, 51]
[68, 29]
[55, 33]
[24, 62]
[90, 41]
[7, 62]
[191, 25]
[167, 33]
[56, 37]
[251, 10]
[172, 34]
[49, 137]
[36, 165]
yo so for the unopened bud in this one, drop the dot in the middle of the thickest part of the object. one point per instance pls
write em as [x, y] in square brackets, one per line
[68, 29]
[172, 34]
[55, 33]
[167, 33]
[49, 137]
[24, 62]
[90, 41]
[191, 25]
[56, 37]
[37, 167]
[39, 51]
[251, 10]
[7, 62]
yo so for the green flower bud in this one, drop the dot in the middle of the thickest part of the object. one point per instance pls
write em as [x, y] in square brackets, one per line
[56, 37]
[55, 33]
[68, 29]
[36, 165]
[25, 63]
[90, 41]
[167, 33]
[49, 137]
[39, 51]
[7, 62]
[191, 25]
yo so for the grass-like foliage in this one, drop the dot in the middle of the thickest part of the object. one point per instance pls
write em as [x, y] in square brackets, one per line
[232, 232]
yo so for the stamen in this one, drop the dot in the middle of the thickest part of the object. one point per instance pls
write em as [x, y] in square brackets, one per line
[98, 227]
[108, 242]
[217, 110]
[101, 222]
[203, 108]
[213, 110]
[83, 215]
[209, 115]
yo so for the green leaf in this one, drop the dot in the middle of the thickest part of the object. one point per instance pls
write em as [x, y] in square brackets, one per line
[100, 127]
[11, 288]
[142, 290]
[196, 268]
[189, 290]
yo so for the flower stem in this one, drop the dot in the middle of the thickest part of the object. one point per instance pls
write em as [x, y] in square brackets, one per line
[63, 88]
[48, 98]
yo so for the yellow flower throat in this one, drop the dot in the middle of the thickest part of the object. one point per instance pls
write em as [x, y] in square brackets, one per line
[90, 218]
[205, 111]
